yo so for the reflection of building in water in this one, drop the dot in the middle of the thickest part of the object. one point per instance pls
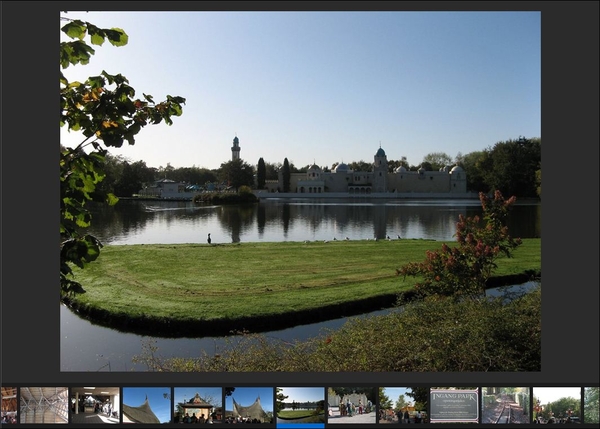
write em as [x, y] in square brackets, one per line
[140, 414]
[46, 405]
[448, 180]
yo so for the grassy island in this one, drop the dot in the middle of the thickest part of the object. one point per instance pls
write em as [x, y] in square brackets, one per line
[212, 290]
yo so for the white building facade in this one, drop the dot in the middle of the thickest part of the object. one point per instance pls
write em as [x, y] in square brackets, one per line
[342, 180]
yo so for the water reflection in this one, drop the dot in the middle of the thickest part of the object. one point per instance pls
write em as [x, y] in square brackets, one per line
[136, 222]
[87, 347]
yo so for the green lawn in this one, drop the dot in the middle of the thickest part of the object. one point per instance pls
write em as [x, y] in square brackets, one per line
[191, 283]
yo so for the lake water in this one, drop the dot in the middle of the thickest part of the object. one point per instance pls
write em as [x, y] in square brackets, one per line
[89, 347]
[139, 222]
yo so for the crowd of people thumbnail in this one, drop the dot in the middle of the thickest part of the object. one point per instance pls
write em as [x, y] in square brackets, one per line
[9, 418]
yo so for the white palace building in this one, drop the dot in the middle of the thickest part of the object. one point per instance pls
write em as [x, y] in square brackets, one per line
[448, 182]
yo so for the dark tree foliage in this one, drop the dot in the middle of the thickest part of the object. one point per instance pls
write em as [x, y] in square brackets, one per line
[193, 175]
[420, 395]
[369, 392]
[237, 173]
[538, 182]
[261, 174]
[511, 167]
[474, 164]
[133, 177]
[437, 160]
[361, 166]
[286, 175]
[427, 166]
[272, 171]
[384, 400]
[279, 399]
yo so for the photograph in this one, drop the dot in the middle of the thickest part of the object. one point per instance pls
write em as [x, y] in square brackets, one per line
[9, 405]
[553, 405]
[198, 405]
[264, 198]
[300, 405]
[403, 405]
[453, 405]
[44, 405]
[505, 405]
[250, 405]
[93, 404]
[146, 405]
[591, 406]
[352, 405]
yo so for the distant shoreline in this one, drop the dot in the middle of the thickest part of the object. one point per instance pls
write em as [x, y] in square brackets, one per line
[264, 195]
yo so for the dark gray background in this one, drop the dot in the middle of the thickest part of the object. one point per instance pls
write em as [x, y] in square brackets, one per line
[30, 140]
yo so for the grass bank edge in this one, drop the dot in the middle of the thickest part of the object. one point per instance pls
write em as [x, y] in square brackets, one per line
[371, 285]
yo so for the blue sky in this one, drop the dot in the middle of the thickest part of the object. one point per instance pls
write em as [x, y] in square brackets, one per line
[161, 406]
[325, 87]
[393, 393]
[303, 394]
[214, 395]
[246, 396]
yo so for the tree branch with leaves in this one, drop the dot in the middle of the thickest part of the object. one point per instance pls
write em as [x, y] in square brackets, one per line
[106, 111]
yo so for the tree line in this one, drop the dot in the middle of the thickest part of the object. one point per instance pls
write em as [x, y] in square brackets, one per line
[512, 167]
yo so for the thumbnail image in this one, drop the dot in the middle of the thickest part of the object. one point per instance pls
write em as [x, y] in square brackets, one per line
[591, 407]
[454, 405]
[45, 405]
[403, 405]
[198, 405]
[503, 405]
[300, 405]
[249, 405]
[351, 405]
[95, 404]
[146, 405]
[556, 405]
[9, 405]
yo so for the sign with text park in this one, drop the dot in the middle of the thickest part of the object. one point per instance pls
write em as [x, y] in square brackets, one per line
[454, 406]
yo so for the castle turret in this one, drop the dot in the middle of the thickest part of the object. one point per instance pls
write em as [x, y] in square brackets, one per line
[235, 149]
[380, 170]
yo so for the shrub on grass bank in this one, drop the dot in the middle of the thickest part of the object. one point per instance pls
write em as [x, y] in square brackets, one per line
[226, 198]
[437, 334]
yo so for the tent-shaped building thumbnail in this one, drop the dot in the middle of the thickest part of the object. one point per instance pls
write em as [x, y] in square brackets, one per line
[252, 412]
[140, 414]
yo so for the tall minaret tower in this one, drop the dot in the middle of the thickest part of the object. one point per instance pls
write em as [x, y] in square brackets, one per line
[380, 168]
[235, 149]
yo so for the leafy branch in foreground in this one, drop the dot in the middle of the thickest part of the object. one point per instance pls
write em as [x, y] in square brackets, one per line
[105, 110]
[464, 269]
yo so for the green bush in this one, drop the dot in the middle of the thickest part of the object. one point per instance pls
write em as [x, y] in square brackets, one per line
[433, 335]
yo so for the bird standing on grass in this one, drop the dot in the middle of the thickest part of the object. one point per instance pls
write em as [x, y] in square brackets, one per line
[208, 239]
